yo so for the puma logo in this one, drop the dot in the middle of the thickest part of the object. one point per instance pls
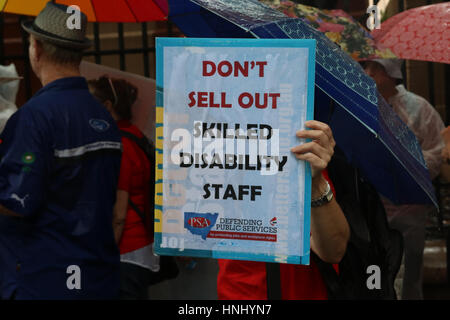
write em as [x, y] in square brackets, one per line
[21, 200]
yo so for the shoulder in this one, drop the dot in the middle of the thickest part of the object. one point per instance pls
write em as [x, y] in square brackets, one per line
[127, 145]
[416, 106]
[28, 116]
[423, 108]
[38, 111]
[130, 133]
[39, 103]
[127, 126]
[130, 151]
[412, 100]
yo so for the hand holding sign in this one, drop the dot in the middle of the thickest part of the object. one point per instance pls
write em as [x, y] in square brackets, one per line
[319, 151]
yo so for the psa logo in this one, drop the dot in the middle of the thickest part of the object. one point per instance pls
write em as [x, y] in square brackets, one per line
[273, 221]
[199, 222]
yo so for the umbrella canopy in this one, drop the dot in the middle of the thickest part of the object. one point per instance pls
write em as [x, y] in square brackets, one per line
[339, 27]
[421, 33]
[98, 10]
[369, 132]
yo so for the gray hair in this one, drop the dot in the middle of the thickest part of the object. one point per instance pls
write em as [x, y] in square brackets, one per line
[60, 55]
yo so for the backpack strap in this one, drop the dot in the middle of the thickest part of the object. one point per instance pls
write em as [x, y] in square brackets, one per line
[136, 208]
[145, 144]
[273, 278]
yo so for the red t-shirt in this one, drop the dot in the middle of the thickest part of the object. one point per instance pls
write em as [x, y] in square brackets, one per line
[246, 280]
[134, 178]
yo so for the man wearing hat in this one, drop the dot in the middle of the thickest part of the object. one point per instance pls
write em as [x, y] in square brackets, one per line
[60, 159]
[426, 123]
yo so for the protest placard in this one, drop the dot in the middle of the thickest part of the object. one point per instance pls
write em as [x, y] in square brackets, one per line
[227, 185]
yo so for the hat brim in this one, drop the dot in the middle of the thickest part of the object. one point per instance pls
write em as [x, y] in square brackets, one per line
[392, 68]
[57, 41]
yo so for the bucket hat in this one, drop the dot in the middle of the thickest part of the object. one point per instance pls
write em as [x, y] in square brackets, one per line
[51, 26]
[393, 67]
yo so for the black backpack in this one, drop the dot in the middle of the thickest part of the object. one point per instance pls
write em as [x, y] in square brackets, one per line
[168, 266]
[372, 242]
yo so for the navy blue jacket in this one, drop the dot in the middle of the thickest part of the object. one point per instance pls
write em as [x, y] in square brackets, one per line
[60, 161]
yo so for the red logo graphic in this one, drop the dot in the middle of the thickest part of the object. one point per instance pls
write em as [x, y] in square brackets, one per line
[199, 222]
[273, 221]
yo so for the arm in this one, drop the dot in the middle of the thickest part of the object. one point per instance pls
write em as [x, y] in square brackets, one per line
[427, 126]
[119, 214]
[330, 231]
[24, 167]
[433, 144]
[123, 191]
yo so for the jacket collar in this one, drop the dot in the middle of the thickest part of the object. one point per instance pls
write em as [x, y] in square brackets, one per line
[71, 83]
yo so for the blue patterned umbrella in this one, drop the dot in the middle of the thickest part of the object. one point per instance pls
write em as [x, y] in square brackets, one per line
[371, 135]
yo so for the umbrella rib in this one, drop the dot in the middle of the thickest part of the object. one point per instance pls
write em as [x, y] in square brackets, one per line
[246, 29]
[412, 175]
[351, 113]
[131, 10]
[94, 10]
[271, 22]
[4, 5]
[157, 4]
[356, 104]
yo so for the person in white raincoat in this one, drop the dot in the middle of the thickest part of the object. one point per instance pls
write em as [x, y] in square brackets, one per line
[9, 86]
[426, 123]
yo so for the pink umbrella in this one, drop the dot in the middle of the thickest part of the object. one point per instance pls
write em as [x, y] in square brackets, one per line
[421, 33]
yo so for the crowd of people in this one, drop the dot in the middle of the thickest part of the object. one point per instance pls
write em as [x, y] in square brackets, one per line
[75, 187]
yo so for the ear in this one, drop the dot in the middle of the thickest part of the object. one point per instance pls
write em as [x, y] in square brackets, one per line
[35, 48]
